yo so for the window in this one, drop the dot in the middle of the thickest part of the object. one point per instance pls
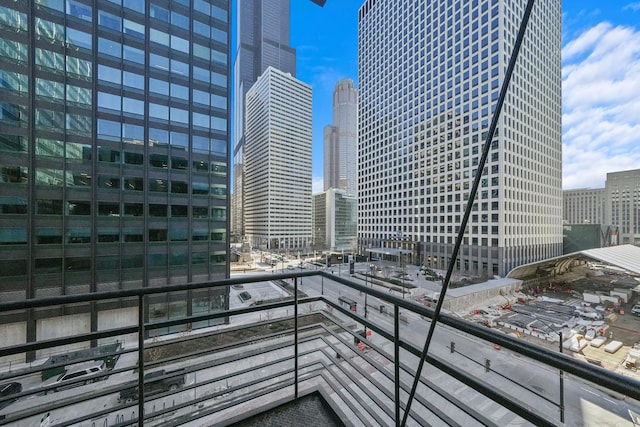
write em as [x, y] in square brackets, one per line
[133, 209]
[108, 209]
[157, 210]
[179, 187]
[133, 158]
[159, 161]
[78, 208]
[179, 211]
[135, 184]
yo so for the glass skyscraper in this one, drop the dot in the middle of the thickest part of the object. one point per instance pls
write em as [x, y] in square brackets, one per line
[114, 147]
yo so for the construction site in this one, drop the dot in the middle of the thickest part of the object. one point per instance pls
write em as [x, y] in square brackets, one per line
[586, 312]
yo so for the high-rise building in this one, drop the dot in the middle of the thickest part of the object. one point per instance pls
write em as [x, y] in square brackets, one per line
[262, 41]
[114, 150]
[277, 154]
[622, 194]
[335, 220]
[341, 140]
[427, 92]
[584, 206]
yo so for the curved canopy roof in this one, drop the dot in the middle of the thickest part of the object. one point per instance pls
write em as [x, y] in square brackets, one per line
[623, 256]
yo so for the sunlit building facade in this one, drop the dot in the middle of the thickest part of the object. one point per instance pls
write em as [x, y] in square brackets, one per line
[114, 150]
[277, 145]
[427, 92]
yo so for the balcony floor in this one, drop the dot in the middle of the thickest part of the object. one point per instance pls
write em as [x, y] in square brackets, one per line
[311, 411]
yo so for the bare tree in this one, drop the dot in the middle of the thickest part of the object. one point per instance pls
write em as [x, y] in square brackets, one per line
[310, 308]
[386, 272]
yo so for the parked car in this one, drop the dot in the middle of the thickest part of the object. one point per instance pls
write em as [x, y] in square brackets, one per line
[76, 376]
[8, 389]
[154, 383]
[636, 310]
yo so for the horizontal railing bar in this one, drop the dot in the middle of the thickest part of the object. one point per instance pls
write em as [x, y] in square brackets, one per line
[110, 333]
[606, 379]
[131, 293]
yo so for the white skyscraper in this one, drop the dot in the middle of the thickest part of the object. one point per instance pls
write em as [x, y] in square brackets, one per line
[428, 89]
[262, 40]
[277, 153]
[341, 140]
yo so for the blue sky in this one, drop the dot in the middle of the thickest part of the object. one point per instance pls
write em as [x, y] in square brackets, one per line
[601, 80]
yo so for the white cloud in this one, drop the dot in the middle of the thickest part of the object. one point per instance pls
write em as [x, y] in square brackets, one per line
[633, 6]
[317, 185]
[325, 78]
[600, 87]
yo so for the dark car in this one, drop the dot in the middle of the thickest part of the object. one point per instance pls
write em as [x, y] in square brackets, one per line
[10, 388]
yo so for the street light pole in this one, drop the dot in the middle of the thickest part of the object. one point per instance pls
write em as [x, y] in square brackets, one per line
[403, 271]
[365, 296]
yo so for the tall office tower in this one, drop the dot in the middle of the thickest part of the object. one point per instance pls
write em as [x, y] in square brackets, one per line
[341, 140]
[584, 205]
[262, 41]
[427, 92]
[114, 151]
[278, 162]
[622, 190]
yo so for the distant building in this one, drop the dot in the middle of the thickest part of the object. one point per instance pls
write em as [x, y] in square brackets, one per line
[262, 41]
[319, 222]
[429, 77]
[617, 205]
[277, 154]
[622, 194]
[580, 237]
[583, 206]
[341, 140]
[335, 221]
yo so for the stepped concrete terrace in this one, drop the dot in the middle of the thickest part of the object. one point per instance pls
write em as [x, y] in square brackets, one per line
[298, 346]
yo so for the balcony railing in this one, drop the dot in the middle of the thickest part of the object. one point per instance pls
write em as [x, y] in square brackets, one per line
[305, 332]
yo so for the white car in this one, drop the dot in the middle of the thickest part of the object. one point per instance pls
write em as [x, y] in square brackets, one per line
[636, 310]
[73, 376]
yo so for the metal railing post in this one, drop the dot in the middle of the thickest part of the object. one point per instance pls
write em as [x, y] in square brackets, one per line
[396, 350]
[295, 335]
[141, 360]
[561, 384]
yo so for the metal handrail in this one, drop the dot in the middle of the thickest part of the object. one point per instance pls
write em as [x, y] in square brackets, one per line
[609, 380]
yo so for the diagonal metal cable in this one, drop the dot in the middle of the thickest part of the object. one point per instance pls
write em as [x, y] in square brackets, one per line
[467, 212]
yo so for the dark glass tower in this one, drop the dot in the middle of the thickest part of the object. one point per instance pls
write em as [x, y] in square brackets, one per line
[114, 148]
